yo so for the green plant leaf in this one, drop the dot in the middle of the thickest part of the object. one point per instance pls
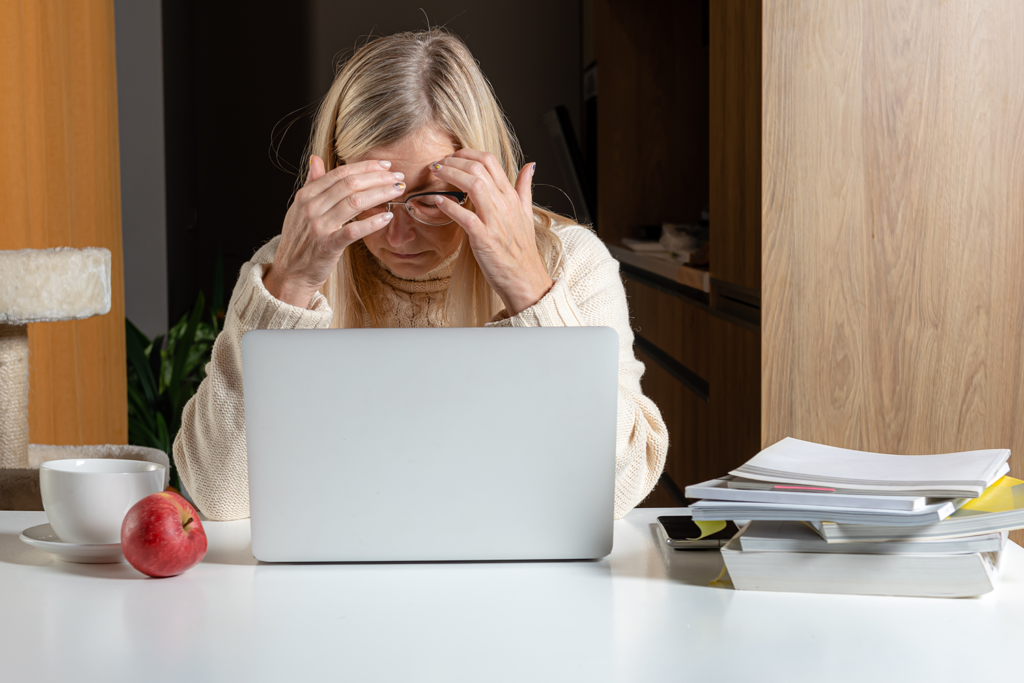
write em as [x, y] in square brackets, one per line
[167, 353]
[140, 434]
[217, 302]
[181, 351]
[138, 361]
[155, 359]
[162, 435]
[138, 403]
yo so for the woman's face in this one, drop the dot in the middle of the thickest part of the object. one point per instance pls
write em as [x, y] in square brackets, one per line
[410, 248]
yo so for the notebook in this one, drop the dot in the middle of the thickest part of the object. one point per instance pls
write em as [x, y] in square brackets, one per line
[722, 489]
[931, 575]
[949, 475]
[1000, 508]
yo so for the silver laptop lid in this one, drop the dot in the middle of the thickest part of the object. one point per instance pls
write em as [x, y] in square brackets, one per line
[431, 444]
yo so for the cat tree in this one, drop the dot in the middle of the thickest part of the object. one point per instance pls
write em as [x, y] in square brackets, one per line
[44, 285]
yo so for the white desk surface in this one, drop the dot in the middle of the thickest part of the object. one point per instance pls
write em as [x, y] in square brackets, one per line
[645, 613]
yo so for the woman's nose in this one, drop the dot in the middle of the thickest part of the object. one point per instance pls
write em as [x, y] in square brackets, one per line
[400, 230]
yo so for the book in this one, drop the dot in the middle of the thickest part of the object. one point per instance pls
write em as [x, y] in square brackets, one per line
[721, 489]
[797, 537]
[792, 461]
[927, 515]
[935, 575]
[742, 484]
[1000, 508]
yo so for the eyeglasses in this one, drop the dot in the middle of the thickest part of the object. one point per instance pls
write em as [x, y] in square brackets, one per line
[423, 207]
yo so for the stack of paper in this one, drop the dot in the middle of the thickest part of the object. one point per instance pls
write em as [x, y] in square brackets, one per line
[893, 525]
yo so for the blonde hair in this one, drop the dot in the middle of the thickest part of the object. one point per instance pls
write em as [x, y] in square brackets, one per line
[390, 88]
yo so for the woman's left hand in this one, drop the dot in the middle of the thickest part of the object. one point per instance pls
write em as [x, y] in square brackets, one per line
[501, 231]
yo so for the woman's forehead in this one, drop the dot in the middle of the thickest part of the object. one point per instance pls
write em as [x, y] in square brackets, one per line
[419, 149]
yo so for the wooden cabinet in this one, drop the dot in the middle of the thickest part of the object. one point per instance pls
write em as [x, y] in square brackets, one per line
[686, 417]
[703, 372]
[734, 29]
[652, 114]
[865, 168]
[656, 115]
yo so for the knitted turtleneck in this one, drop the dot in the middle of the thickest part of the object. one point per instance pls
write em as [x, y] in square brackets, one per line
[416, 301]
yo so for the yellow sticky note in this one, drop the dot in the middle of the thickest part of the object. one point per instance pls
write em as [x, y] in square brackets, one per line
[707, 528]
[998, 497]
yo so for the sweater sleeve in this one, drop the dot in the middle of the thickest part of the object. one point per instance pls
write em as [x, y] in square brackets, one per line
[209, 449]
[589, 291]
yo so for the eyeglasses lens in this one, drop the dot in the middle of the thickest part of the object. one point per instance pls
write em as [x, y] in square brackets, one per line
[426, 210]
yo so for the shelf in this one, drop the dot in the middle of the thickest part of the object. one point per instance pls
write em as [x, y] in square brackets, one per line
[685, 275]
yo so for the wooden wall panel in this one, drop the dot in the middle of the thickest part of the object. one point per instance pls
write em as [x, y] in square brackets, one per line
[893, 232]
[735, 141]
[652, 114]
[60, 186]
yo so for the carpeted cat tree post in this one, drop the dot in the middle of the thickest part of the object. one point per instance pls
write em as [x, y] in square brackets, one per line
[44, 285]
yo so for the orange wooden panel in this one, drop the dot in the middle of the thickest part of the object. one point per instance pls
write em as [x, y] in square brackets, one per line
[60, 186]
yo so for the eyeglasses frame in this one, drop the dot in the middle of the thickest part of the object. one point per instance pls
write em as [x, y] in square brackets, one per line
[459, 197]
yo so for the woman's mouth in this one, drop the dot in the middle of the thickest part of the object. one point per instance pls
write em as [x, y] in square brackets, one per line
[406, 256]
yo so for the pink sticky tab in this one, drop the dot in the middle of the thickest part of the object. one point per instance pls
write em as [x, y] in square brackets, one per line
[804, 488]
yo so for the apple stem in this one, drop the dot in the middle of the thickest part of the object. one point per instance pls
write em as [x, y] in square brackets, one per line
[185, 526]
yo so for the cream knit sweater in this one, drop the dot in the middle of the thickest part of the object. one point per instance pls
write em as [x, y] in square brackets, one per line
[209, 449]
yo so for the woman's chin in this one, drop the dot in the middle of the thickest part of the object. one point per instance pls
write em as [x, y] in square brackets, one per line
[413, 266]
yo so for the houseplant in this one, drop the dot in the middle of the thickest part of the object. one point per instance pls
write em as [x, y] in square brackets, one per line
[164, 372]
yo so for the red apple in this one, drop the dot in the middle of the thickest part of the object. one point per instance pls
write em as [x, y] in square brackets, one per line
[162, 536]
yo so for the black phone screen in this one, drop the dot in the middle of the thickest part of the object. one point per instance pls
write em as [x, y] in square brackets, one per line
[684, 528]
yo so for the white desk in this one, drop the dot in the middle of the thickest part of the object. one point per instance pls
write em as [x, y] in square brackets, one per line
[645, 613]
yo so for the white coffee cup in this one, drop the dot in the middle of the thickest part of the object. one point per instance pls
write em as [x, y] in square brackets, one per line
[86, 500]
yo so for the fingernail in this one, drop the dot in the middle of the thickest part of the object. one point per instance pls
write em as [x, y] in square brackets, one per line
[385, 217]
[438, 199]
[311, 161]
[399, 186]
[435, 167]
[398, 176]
[385, 164]
[533, 168]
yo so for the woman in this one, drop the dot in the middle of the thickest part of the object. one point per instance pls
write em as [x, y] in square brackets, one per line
[414, 213]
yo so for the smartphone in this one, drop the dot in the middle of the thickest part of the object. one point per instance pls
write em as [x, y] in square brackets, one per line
[679, 530]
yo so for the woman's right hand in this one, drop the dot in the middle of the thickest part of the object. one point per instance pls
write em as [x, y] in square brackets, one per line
[317, 228]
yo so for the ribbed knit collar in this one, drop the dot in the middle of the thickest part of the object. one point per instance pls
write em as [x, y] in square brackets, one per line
[435, 280]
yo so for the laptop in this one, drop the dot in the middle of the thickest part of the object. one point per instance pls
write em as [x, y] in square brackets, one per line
[392, 445]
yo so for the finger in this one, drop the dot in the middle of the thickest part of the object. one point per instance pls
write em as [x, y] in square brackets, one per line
[469, 221]
[490, 162]
[356, 203]
[357, 230]
[524, 186]
[358, 182]
[327, 180]
[480, 188]
[316, 169]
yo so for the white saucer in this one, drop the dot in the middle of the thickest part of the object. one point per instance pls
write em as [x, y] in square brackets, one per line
[44, 538]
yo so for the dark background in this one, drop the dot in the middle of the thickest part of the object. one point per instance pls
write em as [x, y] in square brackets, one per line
[241, 86]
